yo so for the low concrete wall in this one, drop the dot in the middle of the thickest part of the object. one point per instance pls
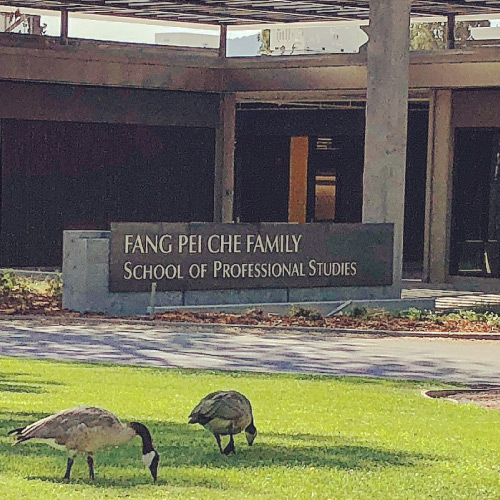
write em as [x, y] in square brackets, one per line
[86, 285]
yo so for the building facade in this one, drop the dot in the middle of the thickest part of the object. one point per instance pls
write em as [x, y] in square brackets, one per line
[93, 133]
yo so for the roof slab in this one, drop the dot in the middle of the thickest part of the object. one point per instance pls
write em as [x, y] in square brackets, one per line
[248, 12]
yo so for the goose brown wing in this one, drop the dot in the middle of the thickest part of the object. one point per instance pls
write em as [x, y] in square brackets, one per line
[228, 405]
[61, 425]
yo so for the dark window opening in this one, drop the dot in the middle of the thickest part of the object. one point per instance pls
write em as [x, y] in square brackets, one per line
[66, 175]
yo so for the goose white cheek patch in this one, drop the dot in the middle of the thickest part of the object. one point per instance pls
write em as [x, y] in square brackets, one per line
[147, 458]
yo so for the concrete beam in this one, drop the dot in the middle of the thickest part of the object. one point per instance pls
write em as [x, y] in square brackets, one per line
[84, 62]
[386, 119]
[224, 160]
[459, 68]
[44, 59]
[78, 103]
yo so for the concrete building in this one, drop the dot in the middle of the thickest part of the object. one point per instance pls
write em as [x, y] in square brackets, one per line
[95, 132]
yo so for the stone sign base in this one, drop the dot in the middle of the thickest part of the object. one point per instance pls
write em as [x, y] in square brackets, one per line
[86, 285]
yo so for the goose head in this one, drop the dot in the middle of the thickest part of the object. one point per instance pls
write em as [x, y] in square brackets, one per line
[251, 433]
[150, 456]
[151, 461]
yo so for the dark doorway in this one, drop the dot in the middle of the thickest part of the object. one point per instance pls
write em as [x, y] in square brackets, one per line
[476, 203]
[262, 176]
[335, 179]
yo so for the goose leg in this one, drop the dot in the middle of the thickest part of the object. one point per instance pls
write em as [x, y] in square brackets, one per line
[68, 468]
[230, 446]
[217, 438]
[90, 461]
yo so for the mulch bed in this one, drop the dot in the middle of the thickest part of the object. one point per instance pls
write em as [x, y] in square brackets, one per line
[35, 304]
[487, 397]
[258, 318]
[15, 302]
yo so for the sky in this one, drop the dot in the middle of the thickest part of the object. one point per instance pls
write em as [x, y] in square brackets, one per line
[120, 30]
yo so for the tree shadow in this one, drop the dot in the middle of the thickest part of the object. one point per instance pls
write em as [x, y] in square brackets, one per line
[24, 383]
[185, 445]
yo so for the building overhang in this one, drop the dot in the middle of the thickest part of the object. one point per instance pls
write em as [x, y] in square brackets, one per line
[324, 77]
[248, 12]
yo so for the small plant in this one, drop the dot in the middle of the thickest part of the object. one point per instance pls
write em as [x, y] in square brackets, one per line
[55, 286]
[413, 314]
[358, 312]
[471, 315]
[7, 281]
[303, 312]
[24, 293]
[492, 319]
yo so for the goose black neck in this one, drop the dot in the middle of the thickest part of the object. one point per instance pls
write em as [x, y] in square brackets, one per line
[142, 431]
[251, 427]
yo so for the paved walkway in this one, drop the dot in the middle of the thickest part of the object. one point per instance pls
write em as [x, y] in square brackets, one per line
[450, 298]
[251, 349]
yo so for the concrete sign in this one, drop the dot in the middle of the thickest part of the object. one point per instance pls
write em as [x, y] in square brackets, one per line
[208, 256]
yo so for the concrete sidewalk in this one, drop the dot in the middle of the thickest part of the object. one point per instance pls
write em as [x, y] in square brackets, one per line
[222, 347]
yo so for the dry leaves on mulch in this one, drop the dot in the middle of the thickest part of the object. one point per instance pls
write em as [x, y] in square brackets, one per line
[32, 303]
[25, 302]
[346, 322]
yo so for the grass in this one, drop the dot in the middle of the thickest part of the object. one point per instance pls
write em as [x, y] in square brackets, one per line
[319, 438]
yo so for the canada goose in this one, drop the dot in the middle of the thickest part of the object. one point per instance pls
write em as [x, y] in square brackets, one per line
[225, 413]
[86, 429]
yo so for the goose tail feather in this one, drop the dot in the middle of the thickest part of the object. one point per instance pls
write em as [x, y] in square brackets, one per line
[16, 432]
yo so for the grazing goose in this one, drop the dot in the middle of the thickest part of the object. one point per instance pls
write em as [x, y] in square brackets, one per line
[86, 429]
[225, 413]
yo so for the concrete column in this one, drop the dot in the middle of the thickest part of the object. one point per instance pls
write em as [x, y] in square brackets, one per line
[224, 160]
[64, 26]
[450, 32]
[439, 187]
[223, 41]
[386, 119]
[297, 198]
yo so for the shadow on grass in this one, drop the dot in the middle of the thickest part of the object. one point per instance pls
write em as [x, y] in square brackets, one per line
[182, 446]
[13, 382]
[187, 446]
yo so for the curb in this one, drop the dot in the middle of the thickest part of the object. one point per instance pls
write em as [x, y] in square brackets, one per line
[447, 393]
[276, 328]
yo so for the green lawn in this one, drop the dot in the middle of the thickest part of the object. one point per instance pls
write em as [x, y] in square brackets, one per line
[319, 438]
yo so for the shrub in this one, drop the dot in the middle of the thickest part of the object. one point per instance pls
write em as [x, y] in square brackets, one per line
[358, 312]
[26, 289]
[303, 312]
